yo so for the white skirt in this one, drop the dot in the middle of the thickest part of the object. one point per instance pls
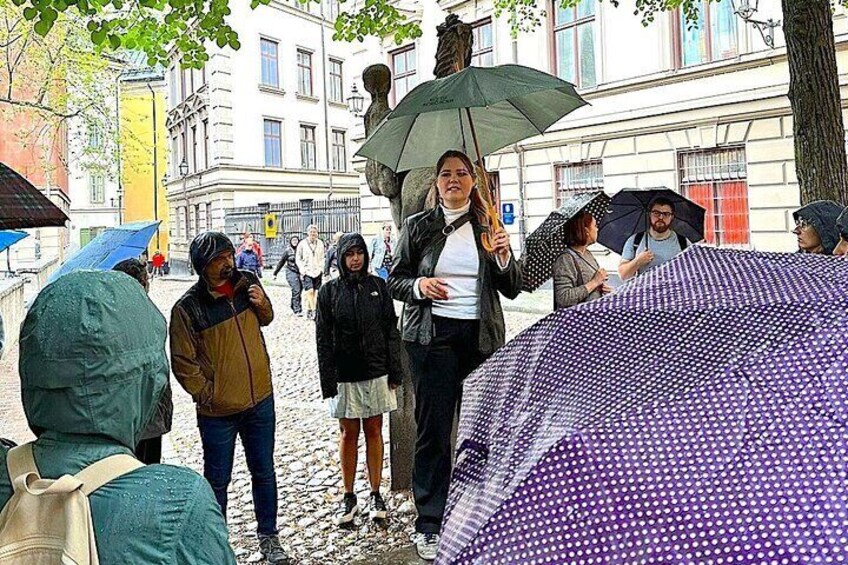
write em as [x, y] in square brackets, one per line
[363, 399]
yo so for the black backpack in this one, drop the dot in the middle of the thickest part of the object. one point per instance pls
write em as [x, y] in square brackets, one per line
[681, 241]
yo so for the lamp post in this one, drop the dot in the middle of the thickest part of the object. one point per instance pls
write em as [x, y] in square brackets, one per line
[354, 101]
[183, 169]
[746, 9]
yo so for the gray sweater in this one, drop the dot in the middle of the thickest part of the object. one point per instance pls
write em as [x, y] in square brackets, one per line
[571, 273]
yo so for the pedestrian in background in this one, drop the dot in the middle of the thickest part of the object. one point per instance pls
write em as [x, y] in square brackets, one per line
[577, 276]
[359, 363]
[149, 448]
[218, 355]
[249, 258]
[816, 227]
[288, 261]
[158, 263]
[310, 263]
[331, 262]
[382, 251]
[452, 322]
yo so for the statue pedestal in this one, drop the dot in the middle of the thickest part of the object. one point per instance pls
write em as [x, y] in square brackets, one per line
[403, 432]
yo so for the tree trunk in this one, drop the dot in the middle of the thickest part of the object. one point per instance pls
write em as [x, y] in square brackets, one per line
[814, 96]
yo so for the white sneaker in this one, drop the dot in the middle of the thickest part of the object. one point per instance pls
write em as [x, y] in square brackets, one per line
[427, 546]
[348, 508]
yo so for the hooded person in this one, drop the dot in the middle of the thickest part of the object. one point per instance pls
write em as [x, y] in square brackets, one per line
[288, 260]
[219, 357]
[815, 227]
[359, 363]
[93, 366]
[842, 226]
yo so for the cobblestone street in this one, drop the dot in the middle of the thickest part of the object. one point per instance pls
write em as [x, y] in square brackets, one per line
[306, 454]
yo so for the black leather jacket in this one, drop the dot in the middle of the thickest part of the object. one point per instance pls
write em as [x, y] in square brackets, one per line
[409, 265]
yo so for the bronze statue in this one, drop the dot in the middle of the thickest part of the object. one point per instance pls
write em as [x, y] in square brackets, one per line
[407, 192]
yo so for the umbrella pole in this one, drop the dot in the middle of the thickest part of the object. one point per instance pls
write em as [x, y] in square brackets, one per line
[486, 192]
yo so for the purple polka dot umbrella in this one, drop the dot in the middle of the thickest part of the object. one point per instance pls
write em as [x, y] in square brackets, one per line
[697, 416]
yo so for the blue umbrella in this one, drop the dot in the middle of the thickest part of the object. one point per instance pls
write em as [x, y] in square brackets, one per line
[110, 248]
[8, 238]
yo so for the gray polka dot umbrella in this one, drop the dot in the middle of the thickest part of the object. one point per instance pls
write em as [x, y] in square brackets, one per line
[546, 243]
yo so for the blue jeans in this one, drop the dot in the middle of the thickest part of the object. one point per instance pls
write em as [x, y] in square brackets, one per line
[256, 427]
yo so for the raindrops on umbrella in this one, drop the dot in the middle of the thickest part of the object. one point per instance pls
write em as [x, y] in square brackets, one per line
[546, 243]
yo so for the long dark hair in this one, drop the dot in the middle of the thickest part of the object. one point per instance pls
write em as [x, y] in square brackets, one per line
[477, 204]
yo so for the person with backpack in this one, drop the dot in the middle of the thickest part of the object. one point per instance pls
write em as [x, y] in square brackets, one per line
[577, 276]
[248, 258]
[360, 367]
[644, 251]
[88, 392]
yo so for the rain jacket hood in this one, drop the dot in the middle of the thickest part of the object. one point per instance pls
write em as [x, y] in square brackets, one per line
[822, 215]
[349, 241]
[206, 247]
[93, 358]
[842, 224]
[292, 243]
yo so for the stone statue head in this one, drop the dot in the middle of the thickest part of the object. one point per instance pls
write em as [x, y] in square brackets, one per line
[377, 80]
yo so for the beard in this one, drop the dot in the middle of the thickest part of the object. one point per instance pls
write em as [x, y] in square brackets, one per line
[226, 272]
[660, 227]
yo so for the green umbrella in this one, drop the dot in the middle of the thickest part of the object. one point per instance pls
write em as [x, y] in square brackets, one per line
[479, 108]
[497, 105]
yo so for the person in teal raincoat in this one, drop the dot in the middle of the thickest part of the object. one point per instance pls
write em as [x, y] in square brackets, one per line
[93, 366]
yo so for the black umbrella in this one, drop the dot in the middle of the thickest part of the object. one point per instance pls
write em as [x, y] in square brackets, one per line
[546, 243]
[22, 205]
[629, 214]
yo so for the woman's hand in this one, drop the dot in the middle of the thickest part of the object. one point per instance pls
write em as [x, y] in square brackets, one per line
[598, 281]
[433, 288]
[500, 244]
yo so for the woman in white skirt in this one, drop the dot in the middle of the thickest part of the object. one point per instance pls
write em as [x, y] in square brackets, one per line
[359, 361]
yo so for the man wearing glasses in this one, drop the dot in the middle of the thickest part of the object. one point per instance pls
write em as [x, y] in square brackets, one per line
[645, 250]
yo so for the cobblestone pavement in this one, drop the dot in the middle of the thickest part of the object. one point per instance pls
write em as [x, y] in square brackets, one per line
[306, 452]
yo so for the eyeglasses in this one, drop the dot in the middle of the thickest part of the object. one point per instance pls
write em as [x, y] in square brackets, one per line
[663, 215]
[802, 224]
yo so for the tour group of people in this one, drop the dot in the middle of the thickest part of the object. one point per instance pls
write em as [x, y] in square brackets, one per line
[103, 387]
[820, 228]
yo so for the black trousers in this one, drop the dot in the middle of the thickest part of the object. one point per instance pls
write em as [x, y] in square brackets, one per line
[437, 373]
[296, 289]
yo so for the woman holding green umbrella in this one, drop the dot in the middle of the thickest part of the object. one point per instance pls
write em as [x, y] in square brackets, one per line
[452, 321]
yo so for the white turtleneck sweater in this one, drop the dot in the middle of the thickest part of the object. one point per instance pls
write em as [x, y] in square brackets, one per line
[459, 266]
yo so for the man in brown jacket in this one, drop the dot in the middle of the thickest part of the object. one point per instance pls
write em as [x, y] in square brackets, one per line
[218, 355]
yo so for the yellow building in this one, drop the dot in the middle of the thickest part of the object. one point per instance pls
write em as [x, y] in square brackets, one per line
[143, 139]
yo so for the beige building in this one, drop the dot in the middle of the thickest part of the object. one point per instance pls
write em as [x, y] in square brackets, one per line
[702, 111]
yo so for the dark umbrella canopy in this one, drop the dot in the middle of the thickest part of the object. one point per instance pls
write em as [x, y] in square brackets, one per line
[506, 104]
[23, 206]
[629, 214]
[546, 243]
[695, 417]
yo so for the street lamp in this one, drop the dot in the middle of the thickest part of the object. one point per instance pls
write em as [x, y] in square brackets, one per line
[183, 169]
[746, 9]
[354, 101]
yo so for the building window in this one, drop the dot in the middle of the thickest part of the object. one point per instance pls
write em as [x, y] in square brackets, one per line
[175, 156]
[483, 53]
[185, 223]
[711, 38]
[183, 150]
[336, 81]
[203, 75]
[273, 143]
[577, 178]
[339, 151]
[404, 72]
[183, 92]
[307, 147]
[270, 69]
[206, 144]
[95, 137]
[97, 189]
[717, 180]
[194, 148]
[208, 216]
[174, 95]
[196, 219]
[574, 44]
[332, 9]
[304, 73]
